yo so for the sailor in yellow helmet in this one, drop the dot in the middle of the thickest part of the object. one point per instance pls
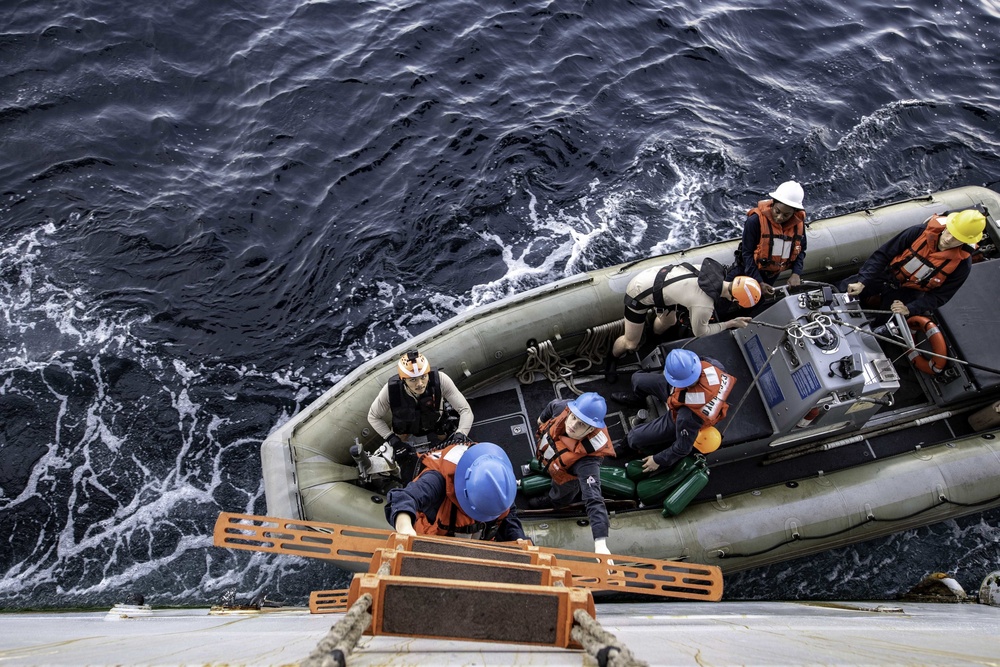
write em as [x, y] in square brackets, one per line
[415, 402]
[922, 267]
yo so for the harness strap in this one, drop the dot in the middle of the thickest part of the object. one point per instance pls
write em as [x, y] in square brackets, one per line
[659, 283]
[451, 530]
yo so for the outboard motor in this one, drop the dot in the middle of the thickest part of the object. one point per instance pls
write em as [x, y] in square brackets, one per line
[380, 463]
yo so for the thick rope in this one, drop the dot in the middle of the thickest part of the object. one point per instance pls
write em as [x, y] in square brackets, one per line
[544, 359]
[601, 644]
[597, 342]
[333, 649]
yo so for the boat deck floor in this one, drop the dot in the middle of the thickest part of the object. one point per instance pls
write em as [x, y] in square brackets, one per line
[689, 633]
[506, 414]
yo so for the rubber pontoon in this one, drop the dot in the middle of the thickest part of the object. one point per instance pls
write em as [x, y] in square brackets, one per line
[892, 449]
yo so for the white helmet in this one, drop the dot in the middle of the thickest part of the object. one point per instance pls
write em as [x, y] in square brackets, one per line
[789, 193]
[412, 365]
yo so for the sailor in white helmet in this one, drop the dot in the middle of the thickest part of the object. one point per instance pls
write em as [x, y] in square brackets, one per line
[774, 238]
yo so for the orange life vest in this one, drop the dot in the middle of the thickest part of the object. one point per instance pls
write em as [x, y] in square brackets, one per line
[779, 246]
[450, 519]
[557, 452]
[922, 266]
[706, 397]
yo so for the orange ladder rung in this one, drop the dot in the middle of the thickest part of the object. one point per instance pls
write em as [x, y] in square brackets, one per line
[473, 611]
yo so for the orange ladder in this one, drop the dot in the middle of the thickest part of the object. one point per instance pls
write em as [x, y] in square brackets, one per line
[353, 544]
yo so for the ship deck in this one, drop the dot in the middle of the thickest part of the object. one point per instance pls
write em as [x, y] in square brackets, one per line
[695, 633]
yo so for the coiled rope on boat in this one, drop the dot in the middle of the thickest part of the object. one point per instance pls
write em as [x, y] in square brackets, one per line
[597, 341]
[601, 644]
[591, 352]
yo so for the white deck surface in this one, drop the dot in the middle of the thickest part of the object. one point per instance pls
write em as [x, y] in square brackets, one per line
[699, 633]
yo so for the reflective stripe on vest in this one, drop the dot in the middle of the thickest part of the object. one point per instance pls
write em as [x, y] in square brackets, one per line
[707, 397]
[557, 452]
[779, 246]
[921, 266]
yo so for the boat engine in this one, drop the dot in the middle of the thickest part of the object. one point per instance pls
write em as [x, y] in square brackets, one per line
[814, 372]
[380, 463]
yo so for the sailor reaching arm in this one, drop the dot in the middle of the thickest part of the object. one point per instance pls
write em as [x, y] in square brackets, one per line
[462, 490]
[922, 267]
[572, 440]
[693, 287]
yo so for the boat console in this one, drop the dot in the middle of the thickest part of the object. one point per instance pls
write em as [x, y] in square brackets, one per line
[804, 370]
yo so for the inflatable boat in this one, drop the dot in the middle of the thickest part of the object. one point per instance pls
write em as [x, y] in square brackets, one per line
[839, 429]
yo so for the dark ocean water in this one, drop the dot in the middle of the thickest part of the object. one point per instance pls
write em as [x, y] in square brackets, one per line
[212, 211]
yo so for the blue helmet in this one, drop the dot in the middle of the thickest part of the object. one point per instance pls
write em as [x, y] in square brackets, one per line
[683, 368]
[484, 482]
[590, 408]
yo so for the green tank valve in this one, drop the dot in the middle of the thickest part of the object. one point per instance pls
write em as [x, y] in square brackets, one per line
[531, 467]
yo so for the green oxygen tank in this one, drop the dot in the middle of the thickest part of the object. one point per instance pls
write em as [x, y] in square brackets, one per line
[633, 470]
[653, 490]
[615, 484]
[534, 485]
[685, 492]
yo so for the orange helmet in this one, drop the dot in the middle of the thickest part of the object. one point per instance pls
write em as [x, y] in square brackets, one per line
[413, 365]
[708, 440]
[746, 291]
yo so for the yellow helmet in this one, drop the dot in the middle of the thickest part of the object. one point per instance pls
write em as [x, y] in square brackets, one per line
[413, 365]
[967, 226]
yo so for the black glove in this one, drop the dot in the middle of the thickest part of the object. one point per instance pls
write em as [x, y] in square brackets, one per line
[399, 447]
[457, 438]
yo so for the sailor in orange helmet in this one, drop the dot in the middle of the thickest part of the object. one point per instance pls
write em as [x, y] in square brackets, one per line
[696, 288]
[414, 403]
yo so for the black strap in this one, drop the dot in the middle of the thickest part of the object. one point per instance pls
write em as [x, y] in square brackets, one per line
[451, 529]
[659, 283]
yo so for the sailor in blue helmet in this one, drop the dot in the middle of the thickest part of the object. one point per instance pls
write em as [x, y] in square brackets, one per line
[462, 490]
[572, 439]
[694, 391]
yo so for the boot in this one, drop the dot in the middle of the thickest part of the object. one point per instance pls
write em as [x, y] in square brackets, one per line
[639, 418]
[628, 398]
[611, 369]
[542, 502]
